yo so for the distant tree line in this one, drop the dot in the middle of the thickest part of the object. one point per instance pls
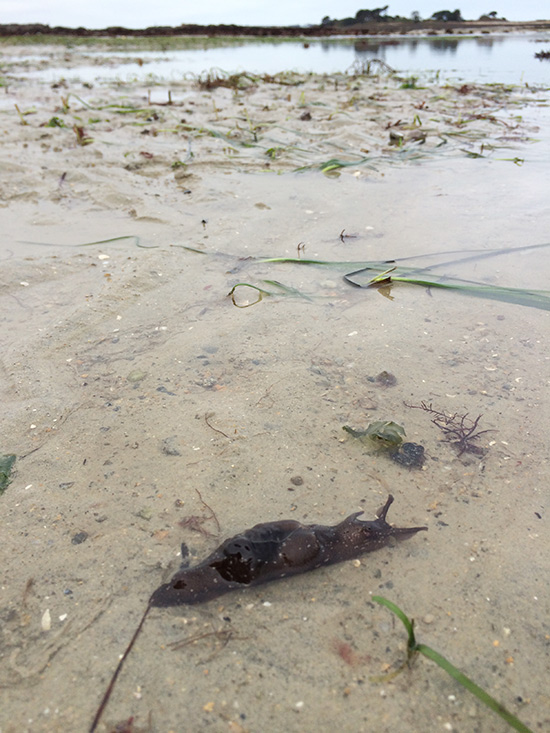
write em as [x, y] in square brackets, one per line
[379, 15]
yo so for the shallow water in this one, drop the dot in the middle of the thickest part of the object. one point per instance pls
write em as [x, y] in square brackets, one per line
[507, 58]
[129, 380]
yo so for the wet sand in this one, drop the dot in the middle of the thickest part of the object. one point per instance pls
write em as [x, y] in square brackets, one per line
[130, 382]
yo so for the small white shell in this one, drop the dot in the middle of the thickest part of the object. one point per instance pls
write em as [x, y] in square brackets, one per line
[46, 620]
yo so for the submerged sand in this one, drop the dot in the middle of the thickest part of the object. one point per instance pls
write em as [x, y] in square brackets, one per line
[130, 382]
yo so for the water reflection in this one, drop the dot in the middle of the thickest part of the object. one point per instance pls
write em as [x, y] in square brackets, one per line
[433, 45]
[505, 58]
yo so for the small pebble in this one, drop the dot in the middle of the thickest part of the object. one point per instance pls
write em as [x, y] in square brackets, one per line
[297, 480]
[79, 538]
[145, 513]
[136, 375]
[428, 618]
[171, 446]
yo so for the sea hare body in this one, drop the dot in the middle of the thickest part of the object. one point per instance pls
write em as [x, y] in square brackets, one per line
[276, 550]
[266, 552]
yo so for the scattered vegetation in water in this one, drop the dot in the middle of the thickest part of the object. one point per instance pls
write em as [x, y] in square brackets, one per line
[389, 272]
[369, 67]
[55, 122]
[427, 276]
[239, 293]
[134, 239]
[6, 466]
[363, 95]
[23, 115]
[82, 138]
[216, 78]
[381, 275]
[410, 83]
[331, 167]
[414, 648]
[460, 430]
[385, 434]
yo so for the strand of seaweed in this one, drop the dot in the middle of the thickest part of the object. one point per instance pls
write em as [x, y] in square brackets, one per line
[459, 430]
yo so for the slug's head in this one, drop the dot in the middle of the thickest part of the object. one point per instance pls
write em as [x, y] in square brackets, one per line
[364, 536]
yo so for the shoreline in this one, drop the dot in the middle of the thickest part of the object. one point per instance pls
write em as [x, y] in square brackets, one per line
[405, 27]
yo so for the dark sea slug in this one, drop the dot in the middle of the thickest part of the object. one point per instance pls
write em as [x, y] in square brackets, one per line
[266, 552]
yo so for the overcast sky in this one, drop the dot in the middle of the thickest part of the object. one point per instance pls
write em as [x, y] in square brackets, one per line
[143, 13]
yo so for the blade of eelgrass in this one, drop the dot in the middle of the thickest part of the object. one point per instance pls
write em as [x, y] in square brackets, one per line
[472, 255]
[333, 164]
[401, 615]
[471, 686]
[413, 647]
[262, 292]
[286, 289]
[476, 255]
[517, 296]
[133, 237]
[389, 270]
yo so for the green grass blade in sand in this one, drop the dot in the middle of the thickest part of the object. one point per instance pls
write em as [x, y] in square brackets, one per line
[517, 296]
[414, 648]
[402, 616]
[390, 271]
[286, 289]
[262, 293]
[471, 686]
[134, 238]
[333, 164]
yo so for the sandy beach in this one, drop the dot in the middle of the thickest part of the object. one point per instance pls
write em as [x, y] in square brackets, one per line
[146, 410]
